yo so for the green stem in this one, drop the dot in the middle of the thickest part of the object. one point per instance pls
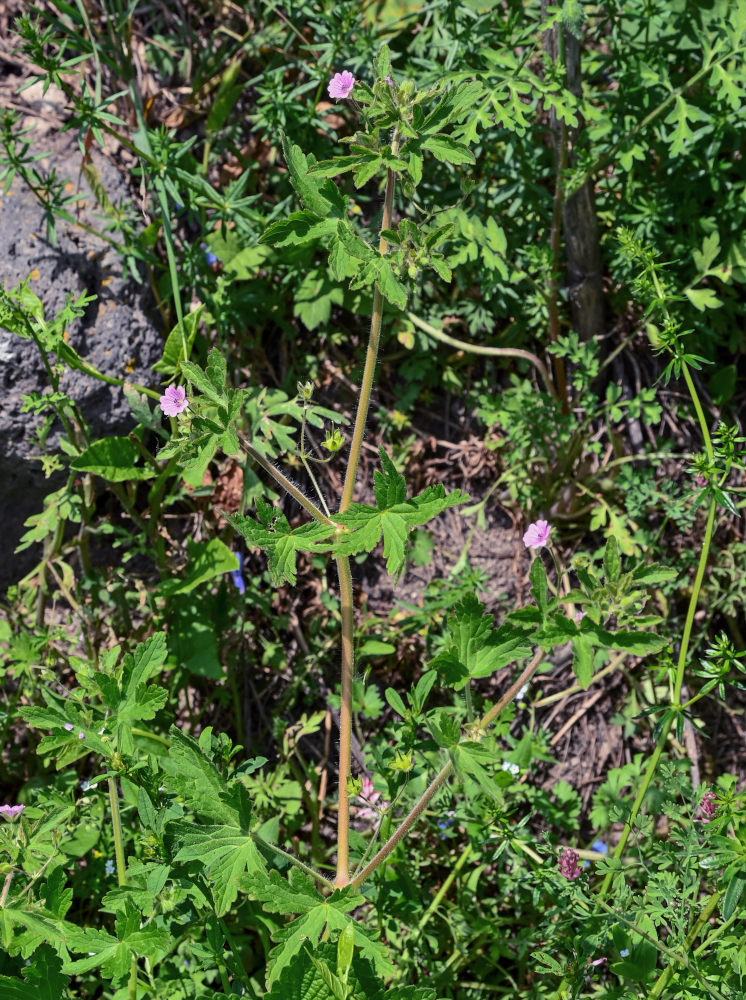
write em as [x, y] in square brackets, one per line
[493, 352]
[555, 236]
[345, 718]
[442, 776]
[343, 562]
[371, 354]
[116, 825]
[306, 869]
[316, 513]
[676, 699]
[439, 895]
[703, 918]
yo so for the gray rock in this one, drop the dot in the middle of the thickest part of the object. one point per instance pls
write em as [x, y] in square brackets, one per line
[118, 334]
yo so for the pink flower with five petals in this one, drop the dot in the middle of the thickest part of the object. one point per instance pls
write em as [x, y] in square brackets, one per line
[537, 535]
[341, 84]
[10, 812]
[174, 401]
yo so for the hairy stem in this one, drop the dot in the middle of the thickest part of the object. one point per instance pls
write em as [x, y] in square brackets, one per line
[413, 815]
[316, 513]
[343, 562]
[116, 826]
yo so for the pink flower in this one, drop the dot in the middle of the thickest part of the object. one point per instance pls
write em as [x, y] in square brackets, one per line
[579, 616]
[699, 480]
[375, 803]
[341, 84]
[10, 812]
[174, 401]
[537, 535]
[708, 807]
[568, 864]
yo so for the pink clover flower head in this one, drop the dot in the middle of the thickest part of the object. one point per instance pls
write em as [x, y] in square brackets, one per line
[708, 807]
[341, 84]
[537, 535]
[568, 864]
[174, 401]
[10, 812]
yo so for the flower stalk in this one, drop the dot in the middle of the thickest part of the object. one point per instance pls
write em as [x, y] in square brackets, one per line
[343, 562]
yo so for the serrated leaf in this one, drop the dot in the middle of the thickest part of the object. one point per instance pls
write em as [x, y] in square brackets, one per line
[298, 229]
[639, 643]
[114, 459]
[653, 574]
[322, 199]
[281, 543]
[43, 976]
[415, 164]
[467, 759]
[391, 288]
[225, 852]
[612, 563]
[703, 298]
[448, 150]
[317, 915]
[190, 774]
[539, 586]
[441, 268]
[389, 486]
[368, 168]
[198, 378]
[301, 979]
[339, 165]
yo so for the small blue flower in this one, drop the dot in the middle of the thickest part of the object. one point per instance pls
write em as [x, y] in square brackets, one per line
[210, 257]
[85, 785]
[624, 952]
[237, 577]
[600, 846]
[109, 867]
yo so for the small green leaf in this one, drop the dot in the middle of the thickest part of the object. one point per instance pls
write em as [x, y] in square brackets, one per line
[394, 699]
[298, 229]
[325, 201]
[539, 587]
[198, 378]
[733, 894]
[612, 563]
[374, 647]
[173, 350]
[383, 62]
[391, 288]
[345, 951]
[703, 298]
[206, 561]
